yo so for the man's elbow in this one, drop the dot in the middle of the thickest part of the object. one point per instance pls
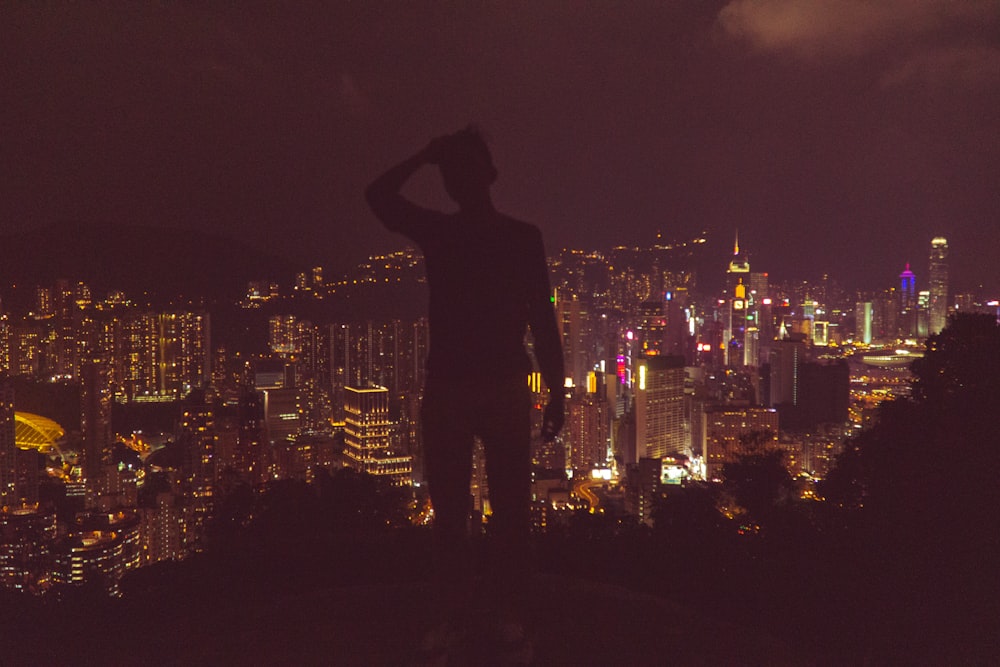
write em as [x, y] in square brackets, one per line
[374, 196]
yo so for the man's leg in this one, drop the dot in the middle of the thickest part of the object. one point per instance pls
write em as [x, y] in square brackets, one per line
[448, 439]
[506, 435]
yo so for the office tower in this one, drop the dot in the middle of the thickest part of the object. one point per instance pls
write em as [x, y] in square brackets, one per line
[95, 424]
[787, 358]
[737, 317]
[571, 317]
[99, 550]
[907, 302]
[164, 529]
[8, 447]
[251, 449]
[677, 336]
[726, 430]
[25, 349]
[650, 329]
[26, 539]
[368, 432]
[198, 469]
[938, 278]
[135, 364]
[821, 333]
[282, 335]
[863, 322]
[922, 315]
[659, 407]
[759, 285]
[282, 418]
[389, 354]
[587, 430]
[184, 352]
[738, 270]
[885, 316]
[642, 482]
[824, 395]
[5, 334]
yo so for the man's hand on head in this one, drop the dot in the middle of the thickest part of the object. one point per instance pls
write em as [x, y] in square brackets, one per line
[435, 150]
[554, 417]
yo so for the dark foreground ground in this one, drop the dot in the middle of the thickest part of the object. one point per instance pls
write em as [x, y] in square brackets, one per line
[575, 622]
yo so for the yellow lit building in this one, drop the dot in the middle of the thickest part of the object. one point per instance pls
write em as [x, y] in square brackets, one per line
[368, 434]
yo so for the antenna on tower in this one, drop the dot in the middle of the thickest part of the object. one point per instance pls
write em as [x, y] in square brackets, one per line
[736, 245]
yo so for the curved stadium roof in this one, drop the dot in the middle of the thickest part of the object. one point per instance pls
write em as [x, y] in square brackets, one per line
[36, 432]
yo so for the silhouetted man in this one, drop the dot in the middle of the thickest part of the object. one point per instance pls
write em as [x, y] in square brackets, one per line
[488, 284]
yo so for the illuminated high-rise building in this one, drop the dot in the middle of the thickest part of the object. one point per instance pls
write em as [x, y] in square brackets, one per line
[571, 317]
[282, 335]
[27, 535]
[95, 424]
[738, 270]
[726, 430]
[99, 549]
[43, 302]
[740, 321]
[678, 332]
[368, 435]
[5, 331]
[184, 359]
[134, 363]
[281, 415]
[738, 318]
[198, 470]
[659, 408]
[8, 447]
[389, 354]
[251, 444]
[788, 355]
[938, 278]
[863, 322]
[587, 430]
[907, 302]
[164, 529]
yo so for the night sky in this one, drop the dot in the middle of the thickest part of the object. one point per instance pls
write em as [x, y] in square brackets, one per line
[838, 136]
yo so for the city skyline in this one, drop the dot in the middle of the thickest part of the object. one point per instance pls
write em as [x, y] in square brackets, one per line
[838, 138]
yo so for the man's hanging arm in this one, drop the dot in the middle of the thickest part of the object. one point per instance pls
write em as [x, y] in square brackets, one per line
[548, 344]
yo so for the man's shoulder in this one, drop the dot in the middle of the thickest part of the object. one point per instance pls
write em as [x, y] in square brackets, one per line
[521, 228]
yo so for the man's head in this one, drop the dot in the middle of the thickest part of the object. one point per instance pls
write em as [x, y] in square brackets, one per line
[467, 167]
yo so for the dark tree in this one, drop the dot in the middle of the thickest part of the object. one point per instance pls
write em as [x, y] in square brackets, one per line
[758, 478]
[922, 486]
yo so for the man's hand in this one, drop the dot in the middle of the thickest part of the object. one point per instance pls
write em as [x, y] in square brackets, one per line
[435, 150]
[554, 417]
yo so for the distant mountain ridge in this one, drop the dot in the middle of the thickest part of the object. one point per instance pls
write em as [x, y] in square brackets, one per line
[162, 262]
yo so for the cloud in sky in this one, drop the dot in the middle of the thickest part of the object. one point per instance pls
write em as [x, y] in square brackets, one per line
[973, 67]
[818, 28]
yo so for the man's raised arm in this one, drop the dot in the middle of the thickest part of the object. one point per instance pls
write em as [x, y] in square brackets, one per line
[397, 213]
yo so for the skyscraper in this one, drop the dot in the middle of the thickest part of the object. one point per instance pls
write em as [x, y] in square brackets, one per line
[739, 268]
[587, 430]
[863, 321]
[8, 448]
[659, 407]
[95, 425]
[368, 435]
[938, 273]
[907, 302]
